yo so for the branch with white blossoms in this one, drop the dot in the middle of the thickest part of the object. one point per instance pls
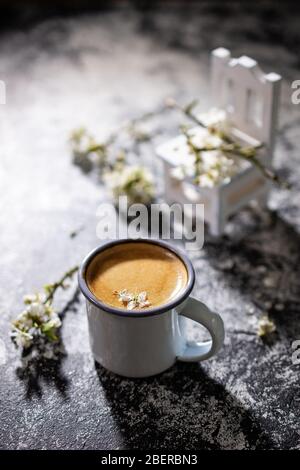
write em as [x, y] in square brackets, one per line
[213, 156]
[206, 163]
[89, 152]
[132, 301]
[122, 179]
[39, 321]
[223, 149]
[111, 157]
[135, 182]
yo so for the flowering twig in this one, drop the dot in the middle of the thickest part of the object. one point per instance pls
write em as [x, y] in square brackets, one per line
[50, 289]
[134, 181]
[84, 145]
[229, 145]
[39, 322]
[111, 157]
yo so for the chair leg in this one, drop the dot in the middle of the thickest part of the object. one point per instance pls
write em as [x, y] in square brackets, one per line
[217, 225]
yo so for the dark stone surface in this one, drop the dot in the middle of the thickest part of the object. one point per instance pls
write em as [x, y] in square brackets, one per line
[96, 70]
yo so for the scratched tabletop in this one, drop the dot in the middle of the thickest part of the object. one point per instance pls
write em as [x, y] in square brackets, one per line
[98, 69]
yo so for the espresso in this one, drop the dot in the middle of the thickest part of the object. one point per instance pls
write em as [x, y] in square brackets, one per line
[136, 276]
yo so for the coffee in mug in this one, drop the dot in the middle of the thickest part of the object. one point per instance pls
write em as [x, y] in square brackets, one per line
[127, 270]
[136, 291]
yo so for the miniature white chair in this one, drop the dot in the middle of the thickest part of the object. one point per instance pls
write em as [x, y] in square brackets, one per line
[250, 98]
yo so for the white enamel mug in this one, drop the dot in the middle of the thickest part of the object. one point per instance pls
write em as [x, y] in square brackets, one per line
[146, 342]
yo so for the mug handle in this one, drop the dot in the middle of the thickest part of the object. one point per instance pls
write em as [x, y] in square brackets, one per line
[199, 351]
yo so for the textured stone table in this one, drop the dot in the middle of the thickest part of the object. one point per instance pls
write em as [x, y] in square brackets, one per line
[97, 70]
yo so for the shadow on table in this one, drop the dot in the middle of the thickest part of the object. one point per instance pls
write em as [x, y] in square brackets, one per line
[264, 264]
[37, 371]
[182, 408]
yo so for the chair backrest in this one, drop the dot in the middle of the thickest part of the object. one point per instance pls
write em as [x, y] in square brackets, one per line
[249, 96]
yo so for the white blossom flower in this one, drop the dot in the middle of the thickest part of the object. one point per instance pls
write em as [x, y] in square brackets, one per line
[142, 299]
[25, 320]
[29, 298]
[36, 309]
[202, 137]
[216, 120]
[39, 297]
[131, 300]
[35, 328]
[135, 182]
[22, 339]
[55, 321]
[131, 305]
[213, 167]
[38, 320]
[179, 172]
[125, 296]
[265, 326]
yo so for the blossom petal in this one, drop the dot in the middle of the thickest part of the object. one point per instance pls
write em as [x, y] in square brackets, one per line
[142, 296]
[29, 298]
[126, 298]
[131, 305]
